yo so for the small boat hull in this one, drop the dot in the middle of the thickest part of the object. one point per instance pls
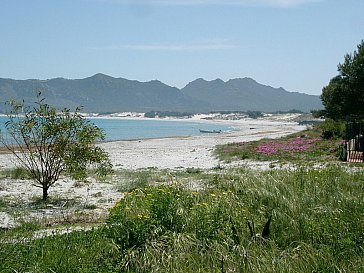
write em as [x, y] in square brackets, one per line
[211, 131]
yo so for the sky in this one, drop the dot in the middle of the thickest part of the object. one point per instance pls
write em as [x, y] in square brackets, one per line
[294, 44]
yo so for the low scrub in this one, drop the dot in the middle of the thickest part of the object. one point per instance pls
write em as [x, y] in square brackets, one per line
[241, 221]
[16, 173]
[85, 251]
[332, 129]
[307, 220]
[306, 146]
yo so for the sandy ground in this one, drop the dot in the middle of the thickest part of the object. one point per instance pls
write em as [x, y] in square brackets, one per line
[70, 202]
[185, 152]
[94, 199]
[191, 152]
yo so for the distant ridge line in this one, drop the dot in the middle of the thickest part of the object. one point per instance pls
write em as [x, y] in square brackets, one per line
[103, 93]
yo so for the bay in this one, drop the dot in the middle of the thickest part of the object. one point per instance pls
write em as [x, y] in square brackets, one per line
[129, 129]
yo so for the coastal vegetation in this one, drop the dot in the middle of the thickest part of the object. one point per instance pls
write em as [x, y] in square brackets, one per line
[307, 216]
[301, 219]
[343, 97]
[48, 143]
[164, 114]
[320, 144]
[343, 100]
[208, 221]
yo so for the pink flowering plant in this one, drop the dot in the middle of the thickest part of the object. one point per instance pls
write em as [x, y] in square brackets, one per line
[308, 145]
[298, 144]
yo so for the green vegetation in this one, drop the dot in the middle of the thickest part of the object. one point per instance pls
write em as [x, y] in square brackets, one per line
[318, 113]
[254, 114]
[343, 97]
[313, 145]
[294, 111]
[16, 173]
[317, 219]
[220, 220]
[333, 129]
[47, 143]
[74, 252]
[163, 114]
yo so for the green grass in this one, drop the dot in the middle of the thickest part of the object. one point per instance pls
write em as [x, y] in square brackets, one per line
[24, 229]
[3, 204]
[318, 218]
[163, 226]
[212, 221]
[15, 173]
[75, 252]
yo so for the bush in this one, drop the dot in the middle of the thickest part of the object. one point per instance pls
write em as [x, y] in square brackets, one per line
[316, 226]
[332, 129]
[144, 214]
[254, 114]
[147, 214]
[318, 113]
[17, 173]
[48, 143]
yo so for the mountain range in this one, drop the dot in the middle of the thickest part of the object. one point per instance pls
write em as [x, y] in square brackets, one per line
[105, 94]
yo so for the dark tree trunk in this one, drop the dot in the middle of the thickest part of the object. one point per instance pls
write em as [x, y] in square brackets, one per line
[45, 193]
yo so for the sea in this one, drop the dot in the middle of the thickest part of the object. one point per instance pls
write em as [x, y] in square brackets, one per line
[131, 129]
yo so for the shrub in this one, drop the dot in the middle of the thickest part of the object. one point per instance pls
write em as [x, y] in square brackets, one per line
[332, 129]
[144, 214]
[147, 214]
[17, 173]
[48, 143]
[316, 226]
[254, 114]
[304, 146]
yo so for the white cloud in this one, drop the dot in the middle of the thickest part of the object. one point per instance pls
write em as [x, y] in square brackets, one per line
[269, 3]
[169, 47]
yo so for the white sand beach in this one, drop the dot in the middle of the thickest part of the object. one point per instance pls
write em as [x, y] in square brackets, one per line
[188, 152]
[162, 153]
[194, 151]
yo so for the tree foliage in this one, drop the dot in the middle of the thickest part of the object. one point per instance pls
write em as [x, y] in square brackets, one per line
[343, 97]
[48, 143]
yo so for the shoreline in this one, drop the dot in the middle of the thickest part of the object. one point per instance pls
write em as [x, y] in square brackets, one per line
[170, 153]
[191, 151]
[176, 152]
[196, 120]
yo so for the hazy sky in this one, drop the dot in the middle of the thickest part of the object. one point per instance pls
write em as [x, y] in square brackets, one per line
[294, 44]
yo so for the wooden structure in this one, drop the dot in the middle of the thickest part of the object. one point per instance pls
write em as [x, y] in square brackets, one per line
[354, 142]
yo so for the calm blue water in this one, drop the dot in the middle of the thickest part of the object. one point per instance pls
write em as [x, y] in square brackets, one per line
[120, 129]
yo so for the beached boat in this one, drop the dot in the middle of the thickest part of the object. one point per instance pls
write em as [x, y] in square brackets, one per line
[211, 131]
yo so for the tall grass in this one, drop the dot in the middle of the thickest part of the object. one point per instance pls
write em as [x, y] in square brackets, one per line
[16, 173]
[74, 252]
[317, 223]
